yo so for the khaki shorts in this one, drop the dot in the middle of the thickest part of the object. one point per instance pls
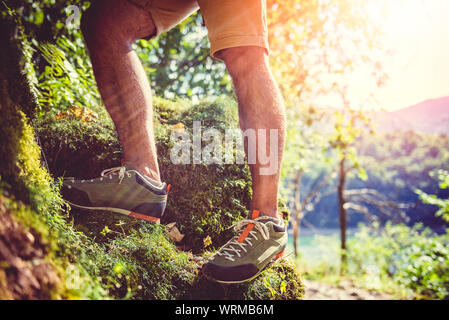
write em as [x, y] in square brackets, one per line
[230, 23]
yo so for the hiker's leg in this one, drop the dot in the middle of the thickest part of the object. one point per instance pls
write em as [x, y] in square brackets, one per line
[110, 27]
[260, 107]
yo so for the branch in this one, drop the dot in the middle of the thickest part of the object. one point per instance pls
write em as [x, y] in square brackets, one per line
[310, 206]
[382, 203]
[297, 196]
[310, 226]
[364, 193]
[317, 189]
[361, 209]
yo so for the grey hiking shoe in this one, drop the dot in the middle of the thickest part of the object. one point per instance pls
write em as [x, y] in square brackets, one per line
[244, 257]
[122, 190]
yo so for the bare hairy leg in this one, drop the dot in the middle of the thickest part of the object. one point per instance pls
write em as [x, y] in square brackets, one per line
[110, 27]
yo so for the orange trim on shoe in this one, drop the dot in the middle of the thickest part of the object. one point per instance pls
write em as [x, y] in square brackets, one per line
[280, 254]
[145, 217]
[249, 227]
[168, 188]
[245, 232]
[255, 214]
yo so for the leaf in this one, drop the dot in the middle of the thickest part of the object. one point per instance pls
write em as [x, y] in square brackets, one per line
[207, 241]
[118, 268]
[179, 127]
[362, 174]
[283, 287]
[105, 231]
[80, 113]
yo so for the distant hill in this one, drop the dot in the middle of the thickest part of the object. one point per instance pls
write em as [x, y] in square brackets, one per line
[430, 116]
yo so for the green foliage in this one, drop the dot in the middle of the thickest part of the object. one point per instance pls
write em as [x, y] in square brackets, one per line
[403, 159]
[29, 193]
[281, 281]
[207, 199]
[178, 62]
[407, 262]
[411, 258]
[20, 167]
[77, 148]
[443, 204]
[347, 128]
[21, 172]
[396, 164]
[68, 77]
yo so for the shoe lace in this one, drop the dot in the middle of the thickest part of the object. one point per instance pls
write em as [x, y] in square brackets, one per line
[235, 247]
[121, 171]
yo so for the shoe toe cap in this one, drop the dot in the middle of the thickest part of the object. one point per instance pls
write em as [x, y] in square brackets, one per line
[75, 195]
[235, 273]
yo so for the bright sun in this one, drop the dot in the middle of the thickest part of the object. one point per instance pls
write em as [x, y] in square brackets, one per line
[416, 34]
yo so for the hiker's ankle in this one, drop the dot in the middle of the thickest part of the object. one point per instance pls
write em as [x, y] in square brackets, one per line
[150, 173]
[145, 169]
[268, 210]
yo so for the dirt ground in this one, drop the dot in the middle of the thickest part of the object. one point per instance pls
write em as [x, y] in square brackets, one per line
[345, 290]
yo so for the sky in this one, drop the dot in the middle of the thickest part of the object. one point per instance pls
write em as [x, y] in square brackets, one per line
[417, 32]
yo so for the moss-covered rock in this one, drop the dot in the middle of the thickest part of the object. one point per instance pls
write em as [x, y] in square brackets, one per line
[25, 271]
[204, 200]
[278, 281]
[48, 252]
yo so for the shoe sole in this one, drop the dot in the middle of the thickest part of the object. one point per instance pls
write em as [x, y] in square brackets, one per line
[121, 211]
[273, 260]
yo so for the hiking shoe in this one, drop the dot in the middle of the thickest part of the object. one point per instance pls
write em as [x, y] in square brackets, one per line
[244, 257]
[122, 190]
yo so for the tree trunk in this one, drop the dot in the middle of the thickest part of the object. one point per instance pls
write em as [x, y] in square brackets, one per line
[296, 221]
[295, 236]
[342, 214]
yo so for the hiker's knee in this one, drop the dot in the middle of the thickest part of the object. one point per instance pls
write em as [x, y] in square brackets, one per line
[241, 61]
[112, 23]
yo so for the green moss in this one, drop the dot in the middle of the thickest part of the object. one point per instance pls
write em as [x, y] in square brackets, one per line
[21, 167]
[146, 265]
[78, 149]
[29, 196]
[281, 282]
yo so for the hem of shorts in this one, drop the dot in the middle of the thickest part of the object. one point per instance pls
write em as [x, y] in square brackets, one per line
[154, 17]
[157, 23]
[237, 41]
